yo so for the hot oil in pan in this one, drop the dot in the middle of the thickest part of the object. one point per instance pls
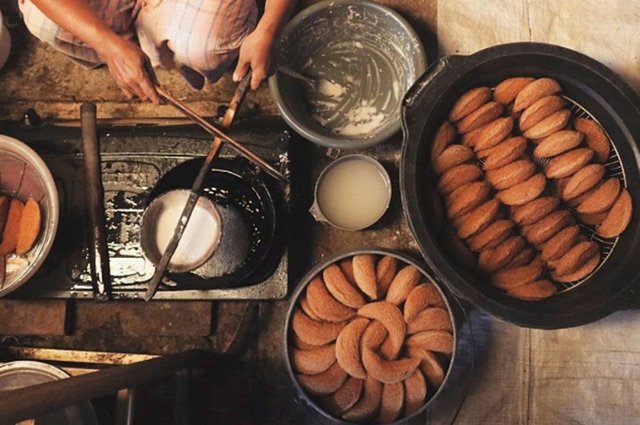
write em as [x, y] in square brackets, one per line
[237, 241]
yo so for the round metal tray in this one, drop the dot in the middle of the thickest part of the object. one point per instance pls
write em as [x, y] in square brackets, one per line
[458, 363]
[21, 374]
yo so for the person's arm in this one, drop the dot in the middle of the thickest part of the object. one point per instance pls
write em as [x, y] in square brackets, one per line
[256, 49]
[125, 60]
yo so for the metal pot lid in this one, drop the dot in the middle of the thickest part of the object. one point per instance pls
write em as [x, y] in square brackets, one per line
[21, 374]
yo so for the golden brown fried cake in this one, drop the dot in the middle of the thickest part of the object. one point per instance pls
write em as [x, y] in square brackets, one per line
[618, 217]
[344, 398]
[469, 102]
[523, 192]
[314, 361]
[508, 89]
[314, 332]
[385, 272]
[582, 181]
[549, 125]
[557, 143]
[595, 137]
[505, 153]
[364, 273]
[324, 305]
[540, 110]
[534, 91]
[422, 296]
[323, 383]
[568, 163]
[534, 210]
[481, 116]
[347, 348]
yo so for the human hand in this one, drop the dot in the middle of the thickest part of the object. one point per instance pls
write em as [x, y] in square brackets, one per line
[255, 54]
[130, 67]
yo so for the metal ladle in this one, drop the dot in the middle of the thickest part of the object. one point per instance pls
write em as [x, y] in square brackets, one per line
[294, 74]
[312, 83]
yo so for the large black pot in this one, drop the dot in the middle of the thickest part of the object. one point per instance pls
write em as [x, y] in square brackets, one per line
[594, 88]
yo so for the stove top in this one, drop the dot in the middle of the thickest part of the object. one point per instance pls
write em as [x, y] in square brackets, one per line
[133, 161]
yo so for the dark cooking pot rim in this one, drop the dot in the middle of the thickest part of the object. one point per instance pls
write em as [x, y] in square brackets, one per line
[453, 307]
[434, 88]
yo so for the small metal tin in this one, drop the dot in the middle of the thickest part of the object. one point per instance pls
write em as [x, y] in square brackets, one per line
[21, 374]
[316, 210]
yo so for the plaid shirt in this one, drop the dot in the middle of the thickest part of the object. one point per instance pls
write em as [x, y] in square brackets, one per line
[193, 35]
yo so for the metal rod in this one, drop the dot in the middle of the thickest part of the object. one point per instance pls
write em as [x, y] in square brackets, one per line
[136, 121]
[219, 133]
[196, 188]
[124, 406]
[37, 400]
[94, 196]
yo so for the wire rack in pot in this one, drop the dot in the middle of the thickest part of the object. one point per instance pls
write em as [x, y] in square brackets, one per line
[613, 168]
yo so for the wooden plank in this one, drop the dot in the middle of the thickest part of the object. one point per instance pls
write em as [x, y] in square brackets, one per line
[75, 371]
[76, 356]
[33, 317]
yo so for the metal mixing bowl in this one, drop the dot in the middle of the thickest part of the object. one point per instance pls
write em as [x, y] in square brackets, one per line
[362, 58]
[23, 174]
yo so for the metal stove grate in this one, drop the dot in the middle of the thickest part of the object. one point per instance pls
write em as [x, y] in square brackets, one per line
[133, 160]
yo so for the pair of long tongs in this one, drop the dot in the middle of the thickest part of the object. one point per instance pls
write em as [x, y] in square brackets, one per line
[196, 188]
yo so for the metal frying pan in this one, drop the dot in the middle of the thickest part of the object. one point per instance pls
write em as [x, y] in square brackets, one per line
[247, 211]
